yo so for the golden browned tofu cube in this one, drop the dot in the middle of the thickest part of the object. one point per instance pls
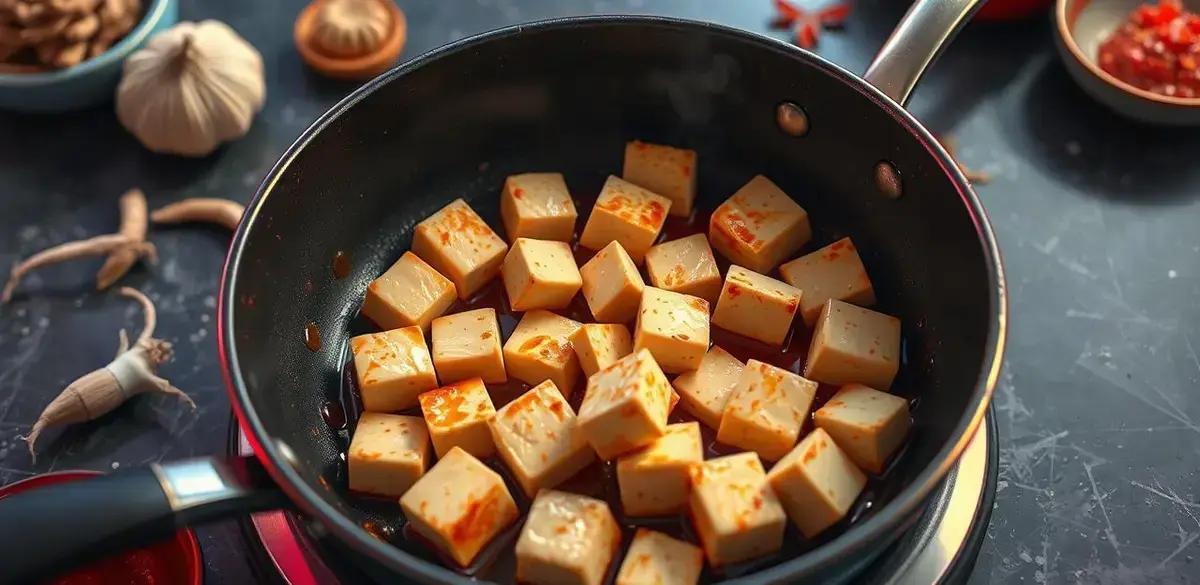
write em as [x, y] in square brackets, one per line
[538, 439]
[410, 293]
[817, 483]
[392, 368]
[705, 391]
[655, 558]
[600, 344]
[567, 539]
[612, 285]
[459, 506]
[759, 226]
[388, 453]
[537, 205]
[467, 345]
[457, 416]
[655, 481]
[626, 405]
[627, 214]
[833, 272]
[540, 274]
[756, 306]
[666, 170]
[736, 514]
[685, 266]
[674, 327]
[867, 424]
[766, 410]
[853, 344]
[539, 349]
[459, 244]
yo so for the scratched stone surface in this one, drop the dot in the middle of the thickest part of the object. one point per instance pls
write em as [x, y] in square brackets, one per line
[1098, 409]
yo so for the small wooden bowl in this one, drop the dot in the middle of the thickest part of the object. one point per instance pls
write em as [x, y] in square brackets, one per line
[1082, 25]
[354, 68]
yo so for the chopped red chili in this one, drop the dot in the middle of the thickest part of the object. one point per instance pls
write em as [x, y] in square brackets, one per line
[1157, 49]
[806, 25]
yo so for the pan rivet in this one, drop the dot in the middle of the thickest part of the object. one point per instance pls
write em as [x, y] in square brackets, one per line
[791, 119]
[887, 180]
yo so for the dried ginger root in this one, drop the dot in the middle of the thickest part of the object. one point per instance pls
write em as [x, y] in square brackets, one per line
[203, 209]
[133, 226]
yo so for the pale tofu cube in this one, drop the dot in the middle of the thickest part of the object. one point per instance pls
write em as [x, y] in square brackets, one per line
[655, 481]
[833, 272]
[568, 539]
[467, 345]
[657, 559]
[867, 424]
[853, 344]
[537, 205]
[539, 349]
[537, 438]
[459, 244]
[388, 453]
[459, 506]
[759, 226]
[392, 368]
[685, 266]
[410, 293]
[626, 405]
[704, 391]
[674, 327]
[457, 415]
[817, 483]
[540, 274]
[599, 344]
[666, 170]
[627, 214]
[734, 511]
[766, 410]
[756, 306]
[612, 285]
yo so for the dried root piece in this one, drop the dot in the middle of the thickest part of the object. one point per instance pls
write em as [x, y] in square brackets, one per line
[133, 226]
[95, 246]
[203, 209]
[49, 34]
[133, 372]
[974, 176]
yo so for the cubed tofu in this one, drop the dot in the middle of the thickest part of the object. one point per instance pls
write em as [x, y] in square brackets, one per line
[540, 274]
[627, 214]
[388, 453]
[833, 272]
[539, 349]
[852, 344]
[410, 293]
[626, 405]
[537, 438]
[766, 410]
[674, 327]
[467, 345]
[657, 559]
[756, 306]
[600, 344]
[734, 511]
[459, 244]
[666, 170]
[759, 226]
[457, 416]
[392, 368]
[867, 424]
[817, 483]
[612, 285]
[537, 205]
[459, 506]
[705, 390]
[655, 481]
[685, 266]
[568, 539]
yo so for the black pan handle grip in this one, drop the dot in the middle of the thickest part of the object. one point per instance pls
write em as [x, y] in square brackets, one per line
[49, 530]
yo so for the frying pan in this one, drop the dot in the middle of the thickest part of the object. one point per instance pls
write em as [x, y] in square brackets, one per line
[565, 95]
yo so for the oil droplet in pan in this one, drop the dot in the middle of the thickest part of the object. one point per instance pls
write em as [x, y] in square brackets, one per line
[341, 265]
[312, 337]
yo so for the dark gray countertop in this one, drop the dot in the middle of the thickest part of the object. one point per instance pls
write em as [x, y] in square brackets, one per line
[1096, 217]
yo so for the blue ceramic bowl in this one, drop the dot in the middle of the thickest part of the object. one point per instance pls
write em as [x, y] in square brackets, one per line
[89, 83]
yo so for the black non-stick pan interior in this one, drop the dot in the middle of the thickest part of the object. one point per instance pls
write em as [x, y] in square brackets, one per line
[565, 97]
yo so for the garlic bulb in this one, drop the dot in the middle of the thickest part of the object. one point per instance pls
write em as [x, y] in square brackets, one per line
[191, 88]
[351, 28]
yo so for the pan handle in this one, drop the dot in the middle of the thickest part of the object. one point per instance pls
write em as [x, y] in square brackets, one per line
[49, 530]
[924, 32]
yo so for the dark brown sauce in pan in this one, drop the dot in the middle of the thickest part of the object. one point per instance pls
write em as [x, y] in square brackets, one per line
[312, 337]
[341, 265]
[496, 561]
